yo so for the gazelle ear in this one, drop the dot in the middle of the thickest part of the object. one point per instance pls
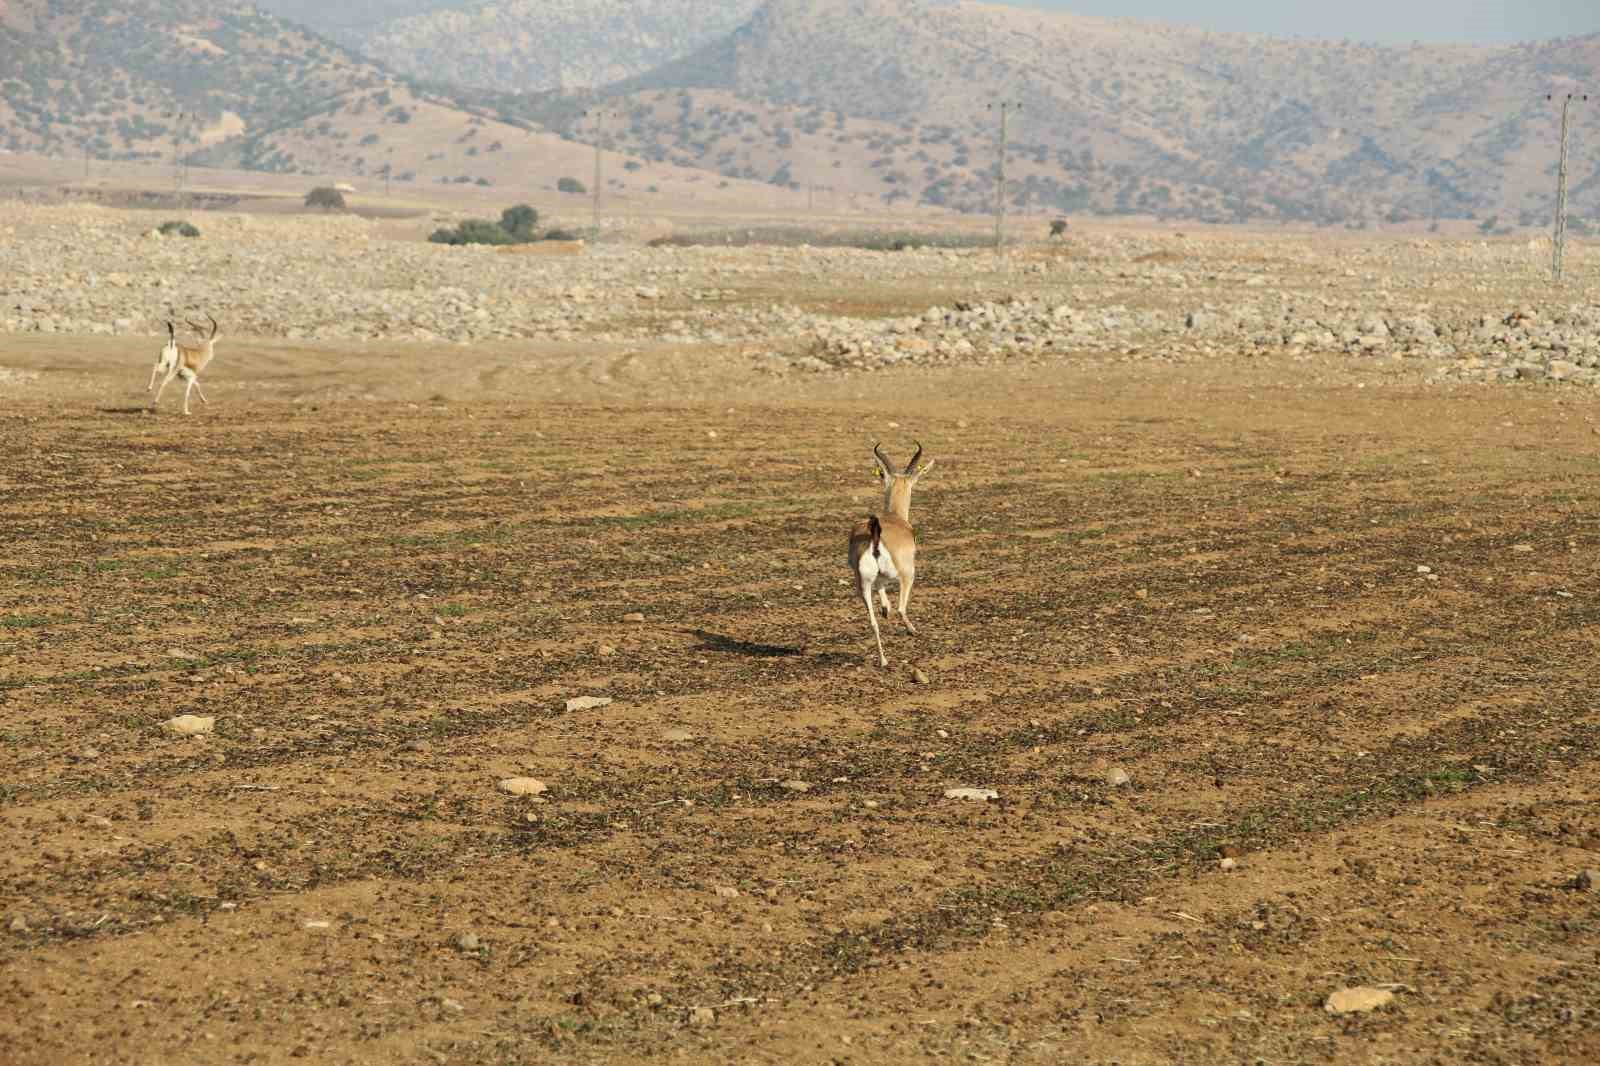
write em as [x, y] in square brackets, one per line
[927, 466]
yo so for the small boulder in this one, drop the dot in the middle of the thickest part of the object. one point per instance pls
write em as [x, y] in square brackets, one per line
[1358, 1000]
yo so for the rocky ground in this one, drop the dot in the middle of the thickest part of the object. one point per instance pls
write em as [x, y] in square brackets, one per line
[1471, 310]
[413, 703]
[1248, 719]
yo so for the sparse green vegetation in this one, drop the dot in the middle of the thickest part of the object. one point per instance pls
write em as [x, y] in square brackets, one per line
[325, 198]
[177, 228]
[517, 225]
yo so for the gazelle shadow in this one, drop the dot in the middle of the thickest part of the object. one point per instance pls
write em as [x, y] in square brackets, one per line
[733, 646]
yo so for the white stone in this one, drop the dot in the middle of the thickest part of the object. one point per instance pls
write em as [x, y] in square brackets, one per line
[1358, 999]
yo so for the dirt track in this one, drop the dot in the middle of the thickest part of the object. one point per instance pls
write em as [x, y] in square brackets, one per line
[1205, 575]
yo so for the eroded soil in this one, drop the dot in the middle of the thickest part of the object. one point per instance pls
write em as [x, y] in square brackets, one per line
[1205, 575]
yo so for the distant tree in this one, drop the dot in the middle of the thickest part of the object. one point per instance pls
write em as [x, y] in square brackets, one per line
[572, 185]
[519, 221]
[326, 198]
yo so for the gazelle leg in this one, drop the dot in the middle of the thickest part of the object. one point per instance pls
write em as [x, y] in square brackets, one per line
[189, 377]
[872, 616]
[201, 392]
[164, 382]
[906, 581]
[883, 598]
[154, 370]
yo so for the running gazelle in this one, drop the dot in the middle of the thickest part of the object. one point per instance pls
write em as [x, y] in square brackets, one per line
[185, 361]
[882, 549]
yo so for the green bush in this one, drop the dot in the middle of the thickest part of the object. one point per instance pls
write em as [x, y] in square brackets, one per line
[560, 235]
[516, 226]
[572, 185]
[177, 228]
[519, 221]
[473, 231]
[326, 197]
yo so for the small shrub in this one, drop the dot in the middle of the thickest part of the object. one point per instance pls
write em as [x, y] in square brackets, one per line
[519, 221]
[325, 197]
[560, 235]
[517, 225]
[572, 185]
[473, 231]
[178, 228]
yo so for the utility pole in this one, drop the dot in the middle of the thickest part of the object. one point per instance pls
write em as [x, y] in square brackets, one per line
[1558, 243]
[177, 175]
[1005, 108]
[599, 115]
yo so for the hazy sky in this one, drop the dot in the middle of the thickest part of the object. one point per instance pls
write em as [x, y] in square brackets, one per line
[1364, 20]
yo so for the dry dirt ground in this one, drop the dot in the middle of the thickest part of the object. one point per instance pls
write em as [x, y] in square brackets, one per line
[385, 573]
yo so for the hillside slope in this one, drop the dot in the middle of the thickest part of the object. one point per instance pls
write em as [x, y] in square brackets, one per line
[139, 78]
[520, 45]
[866, 102]
[524, 45]
[224, 84]
[1122, 115]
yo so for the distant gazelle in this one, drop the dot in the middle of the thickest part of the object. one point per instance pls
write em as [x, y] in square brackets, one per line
[882, 549]
[185, 361]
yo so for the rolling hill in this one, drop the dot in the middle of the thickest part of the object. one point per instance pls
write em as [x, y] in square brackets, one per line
[520, 45]
[142, 78]
[892, 99]
[868, 102]
[226, 84]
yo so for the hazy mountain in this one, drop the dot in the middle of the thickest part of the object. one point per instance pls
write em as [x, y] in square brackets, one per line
[521, 45]
[872, 101]
[225, 84]
[892, 100]
[124, 77]
[1120, 115]
[348, 20]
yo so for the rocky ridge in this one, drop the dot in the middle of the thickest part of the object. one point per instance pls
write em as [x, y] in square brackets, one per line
[1468, 310]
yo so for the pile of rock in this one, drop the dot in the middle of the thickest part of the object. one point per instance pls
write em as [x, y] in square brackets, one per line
[84, 269]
